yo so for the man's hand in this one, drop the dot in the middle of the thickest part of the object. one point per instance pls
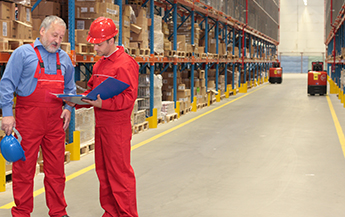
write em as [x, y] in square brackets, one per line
[96, 103]
[7, 124]
[66, 115]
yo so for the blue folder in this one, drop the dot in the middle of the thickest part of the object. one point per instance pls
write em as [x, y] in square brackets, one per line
[107, 89]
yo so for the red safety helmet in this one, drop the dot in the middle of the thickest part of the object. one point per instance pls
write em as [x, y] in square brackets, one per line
[101, 29]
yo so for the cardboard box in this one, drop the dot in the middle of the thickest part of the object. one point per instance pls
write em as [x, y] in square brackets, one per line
[6, 28]
[46, 8]
[181, 87]
[126, 21]
[83, 23]
[142, 22]
[21, 30]
[7, 10]
[95, 10]
[80, 36]
[36, 23]
[126, 10]
[24, 13]
[36, 34]
[202, 82]
[134, 45]
[142, 36]
[135, 28]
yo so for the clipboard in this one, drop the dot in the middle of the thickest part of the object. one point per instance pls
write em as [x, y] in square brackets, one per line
[109, 88]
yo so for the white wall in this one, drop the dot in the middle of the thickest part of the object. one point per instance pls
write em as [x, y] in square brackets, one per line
[301, 27]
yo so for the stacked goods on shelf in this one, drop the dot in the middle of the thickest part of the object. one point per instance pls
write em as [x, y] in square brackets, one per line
[85, 13]
[138, 116]
[144, 92]
[85, 123]
[200, 86]
[16, 25]
[211, 79]
[168, 84]
[342, 79]
[128, 17]
[184, 41]
[158, 36]
[139, 36]
[167, 44]
[158, 83]
[168, 108]
[168, 111]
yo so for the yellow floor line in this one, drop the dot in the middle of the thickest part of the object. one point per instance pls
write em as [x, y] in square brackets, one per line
[337, 125]
[82, 171]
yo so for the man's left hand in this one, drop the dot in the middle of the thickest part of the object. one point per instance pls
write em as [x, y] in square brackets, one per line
[66, 115]
[96, 103]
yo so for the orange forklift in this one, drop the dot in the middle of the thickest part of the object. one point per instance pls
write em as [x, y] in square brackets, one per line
[317, 79]
[275, 73]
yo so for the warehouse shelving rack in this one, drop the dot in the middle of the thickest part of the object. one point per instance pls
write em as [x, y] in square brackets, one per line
[335, 42]
[233, 32]
[195, 10]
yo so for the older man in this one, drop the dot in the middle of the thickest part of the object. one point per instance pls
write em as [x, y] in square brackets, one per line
[35, 72]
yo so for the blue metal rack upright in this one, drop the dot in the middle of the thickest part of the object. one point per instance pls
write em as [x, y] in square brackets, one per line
[336, 46]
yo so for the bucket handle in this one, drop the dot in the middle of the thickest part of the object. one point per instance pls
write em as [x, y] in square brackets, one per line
[18, 134]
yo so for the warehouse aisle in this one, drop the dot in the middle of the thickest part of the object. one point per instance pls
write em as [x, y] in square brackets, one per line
[271, 152]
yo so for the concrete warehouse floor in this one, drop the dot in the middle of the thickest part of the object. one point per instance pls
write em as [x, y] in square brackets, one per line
[274, 151]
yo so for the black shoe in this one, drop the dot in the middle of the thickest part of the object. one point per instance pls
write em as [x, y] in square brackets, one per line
[65, 216]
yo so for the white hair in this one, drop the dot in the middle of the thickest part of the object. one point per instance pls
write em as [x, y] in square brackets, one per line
[52, 19]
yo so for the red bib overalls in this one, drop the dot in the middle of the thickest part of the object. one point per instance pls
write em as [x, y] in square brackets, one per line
[39, 123]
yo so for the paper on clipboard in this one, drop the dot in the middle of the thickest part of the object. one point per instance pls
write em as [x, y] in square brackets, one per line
[107, 89]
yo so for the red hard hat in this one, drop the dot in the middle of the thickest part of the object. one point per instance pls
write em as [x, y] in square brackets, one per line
[101, 29]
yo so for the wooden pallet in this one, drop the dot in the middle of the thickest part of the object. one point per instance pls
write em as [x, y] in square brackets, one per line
[66, 46]
[135, 2]
[87, 149]
[133, 51]
[171, 53]
[189, 54]
[185, 111]
[9, 45]
[203, 55]
[181, 54]
[138, 128]
[81, 48]
[160, 120]
[159, 54]
[144, 52]
[171, 117]
[201, 106]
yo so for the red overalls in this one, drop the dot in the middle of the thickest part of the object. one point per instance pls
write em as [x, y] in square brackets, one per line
[39, 123]
[113, 133]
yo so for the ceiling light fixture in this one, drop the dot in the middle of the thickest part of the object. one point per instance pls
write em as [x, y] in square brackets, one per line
[305, 2]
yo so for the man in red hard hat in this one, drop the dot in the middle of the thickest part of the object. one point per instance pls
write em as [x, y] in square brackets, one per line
[113, 131]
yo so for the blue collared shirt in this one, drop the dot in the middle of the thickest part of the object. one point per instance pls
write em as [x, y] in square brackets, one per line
[20, 70]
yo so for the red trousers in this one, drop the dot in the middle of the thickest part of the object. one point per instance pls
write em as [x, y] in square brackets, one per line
[115, 174]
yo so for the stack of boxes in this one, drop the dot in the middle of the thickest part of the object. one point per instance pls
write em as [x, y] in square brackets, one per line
[157, 100]
[86, 11]
[158, 35]
[167, 43]
[127, 12]
[201, 88]
[144, 92]
[139, 35]
[16, 22]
